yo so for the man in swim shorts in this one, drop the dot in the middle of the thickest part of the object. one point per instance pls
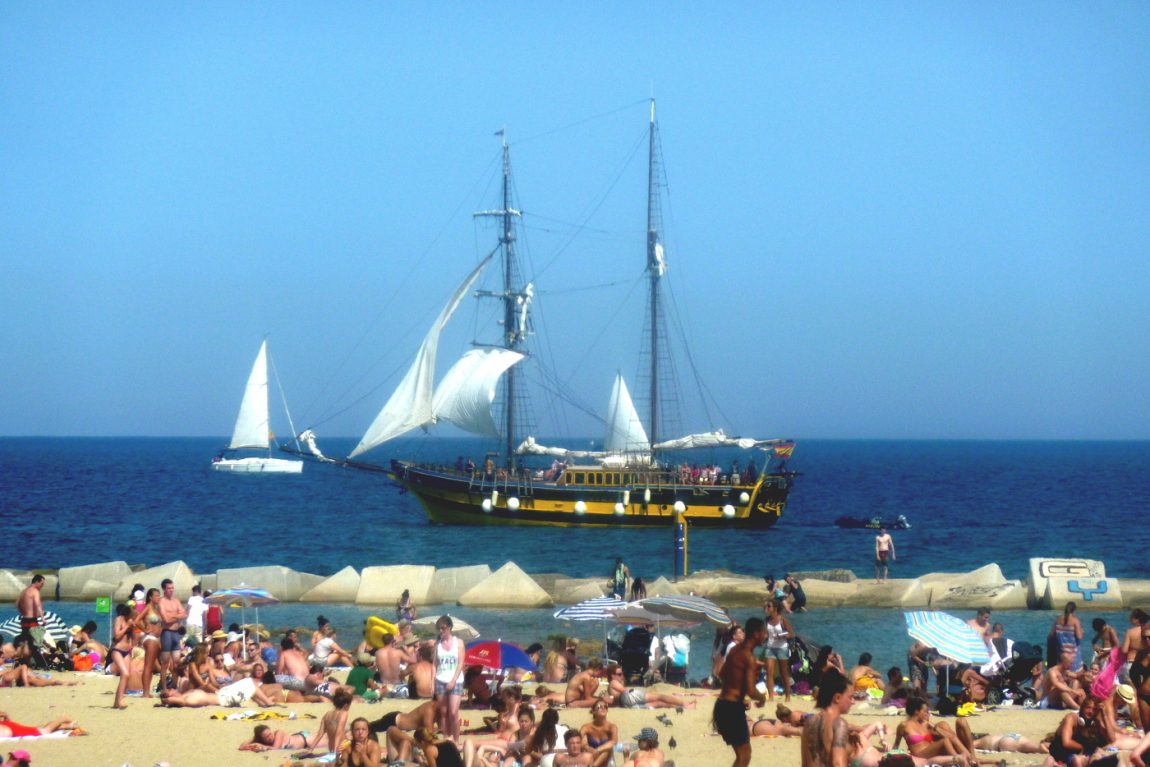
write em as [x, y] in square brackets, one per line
[31, 610]
[172, 615]
[883, 555]
[739, 676]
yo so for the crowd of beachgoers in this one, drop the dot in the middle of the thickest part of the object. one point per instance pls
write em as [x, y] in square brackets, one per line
[185, 654]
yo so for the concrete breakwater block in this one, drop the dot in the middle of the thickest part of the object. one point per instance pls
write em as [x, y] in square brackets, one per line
[508, 586]
[450, 583]
[385, 585]
[1008, 595]
[661, 587]
[569, 591]
[1042, 569]
[72, 579]
[181, 575]
[11, 585]
[727, 589]
[281, 582]
[896, 592]
[828, 593]
[1136, 592]
[339, 588]
[1085, 593]
[93, 589]
[837, 575]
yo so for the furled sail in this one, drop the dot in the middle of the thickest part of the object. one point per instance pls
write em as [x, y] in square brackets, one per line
[625, 432]
[530, 447]
[252, 423]
[465, 394]
[410, 405]
[715, 439]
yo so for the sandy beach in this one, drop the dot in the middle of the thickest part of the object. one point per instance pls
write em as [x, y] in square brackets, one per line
[143, 735]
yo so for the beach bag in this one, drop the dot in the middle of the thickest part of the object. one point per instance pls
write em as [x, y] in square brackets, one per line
[82, 662]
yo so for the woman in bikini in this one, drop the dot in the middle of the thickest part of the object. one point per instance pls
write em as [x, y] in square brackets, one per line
[363, 750]
[266, 739]
[600, 735]
[201, 670]
[929, 741]
[436, 752]
[20, 676]
[119, 651]
[618, 694]
[149, 624]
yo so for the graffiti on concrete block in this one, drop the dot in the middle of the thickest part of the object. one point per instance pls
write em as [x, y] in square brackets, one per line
[1087, 591]
[1070, 568]
[978, 591]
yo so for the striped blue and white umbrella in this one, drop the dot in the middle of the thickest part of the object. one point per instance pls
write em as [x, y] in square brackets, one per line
[595, 609]
[52, 623]
[689, 608]
[951, 636]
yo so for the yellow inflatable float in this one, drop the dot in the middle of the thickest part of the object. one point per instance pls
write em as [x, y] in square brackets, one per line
[375, 628]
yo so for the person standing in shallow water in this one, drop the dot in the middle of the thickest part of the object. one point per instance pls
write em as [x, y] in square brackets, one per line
[883, 555]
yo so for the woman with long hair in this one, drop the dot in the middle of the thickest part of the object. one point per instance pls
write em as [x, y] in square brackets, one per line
[599, 735]
[363, 749]
[436, 751]
[1065, 637]
[149, 624]
[119, 651]
[448, 658]
[778, 648]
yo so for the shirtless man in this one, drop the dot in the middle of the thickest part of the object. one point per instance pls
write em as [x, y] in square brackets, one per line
[575, 756]
[396, 725]
[172, 615]
[1131, 642]
[981, 624]
[32, 610]
[291, 666]
[1062, 688]
[739, 675]
[883, 554]
[421, 679]
[389, 660]
[649, 754]
[583, 686]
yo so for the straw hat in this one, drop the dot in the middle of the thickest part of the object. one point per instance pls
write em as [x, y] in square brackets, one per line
[218, 634]
[1125, 692]
[75, 630]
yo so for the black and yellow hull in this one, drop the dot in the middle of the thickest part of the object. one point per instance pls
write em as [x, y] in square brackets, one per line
[459, 498]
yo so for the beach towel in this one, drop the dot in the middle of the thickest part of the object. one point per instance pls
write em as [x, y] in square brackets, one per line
[1103, 685]
[56, 734]
[259, 716]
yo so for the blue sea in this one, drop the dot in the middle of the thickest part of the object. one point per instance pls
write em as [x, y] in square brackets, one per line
[149, 501]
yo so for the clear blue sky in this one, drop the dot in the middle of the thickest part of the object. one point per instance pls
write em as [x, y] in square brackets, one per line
[885, 219]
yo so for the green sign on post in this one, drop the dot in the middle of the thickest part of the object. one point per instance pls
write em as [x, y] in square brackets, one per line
[103, 604]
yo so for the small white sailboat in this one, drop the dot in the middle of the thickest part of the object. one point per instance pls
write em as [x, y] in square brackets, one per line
[252, 429]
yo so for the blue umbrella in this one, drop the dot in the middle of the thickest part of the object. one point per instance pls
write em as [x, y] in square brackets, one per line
[247, 596]
[499, 655]
[951, 636]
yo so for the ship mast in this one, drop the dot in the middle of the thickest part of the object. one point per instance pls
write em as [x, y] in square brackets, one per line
[655, 268]
[516, 301]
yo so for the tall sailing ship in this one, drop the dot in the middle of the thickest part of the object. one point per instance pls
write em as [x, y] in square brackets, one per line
[628, 483]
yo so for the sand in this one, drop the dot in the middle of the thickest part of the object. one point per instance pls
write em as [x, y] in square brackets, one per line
[143, 735]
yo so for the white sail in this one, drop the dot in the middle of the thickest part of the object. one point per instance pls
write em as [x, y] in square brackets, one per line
[715, 439]
[530, 447]
[625, 432]
[410, 405]
[465, 394]
[252, 422]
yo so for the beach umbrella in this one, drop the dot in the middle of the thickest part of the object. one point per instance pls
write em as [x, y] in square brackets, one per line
[494, 654]
[594, 609]
[52, 623]
[459, 627]
[635, 613]
[688, 608]
[246, 596]
[951, 636]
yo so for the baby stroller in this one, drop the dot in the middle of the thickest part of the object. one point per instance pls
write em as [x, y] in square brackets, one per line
[635, 655]
[803, 654]
[1017, 669]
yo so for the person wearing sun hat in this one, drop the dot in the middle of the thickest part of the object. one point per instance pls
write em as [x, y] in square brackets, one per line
[648, 754]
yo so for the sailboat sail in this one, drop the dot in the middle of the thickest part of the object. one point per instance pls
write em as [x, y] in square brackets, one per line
[410, 405]
[625, 432]
[251, 429]
[465, 394]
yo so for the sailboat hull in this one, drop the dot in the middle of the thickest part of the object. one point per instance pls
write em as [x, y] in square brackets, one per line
[457, 498]
[257, 466]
